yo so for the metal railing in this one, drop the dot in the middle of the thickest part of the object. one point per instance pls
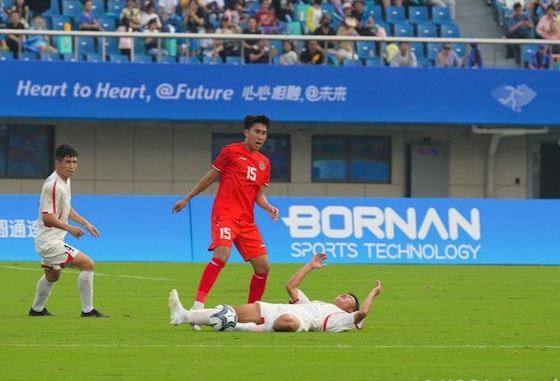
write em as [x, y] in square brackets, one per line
[494, 43]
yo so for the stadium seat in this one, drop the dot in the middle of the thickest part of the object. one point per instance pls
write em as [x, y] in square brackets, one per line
[189, 60]
[115, 7]
[426, 30]
[98, 8]
[385, 26]
[278, 45]
[394, 15]
[108, 23]
[93, 57]
[27, 56]
[418, 49]
[365, 49]
[418, 14]
[233, 60]
[71, 57]
[352, 63]
[527, 52]
[253, 7]
[54, 9]
[6, 56]
[423, 62]
[403, 30]
[460, 49]
[441, 15]
[450, 30]
[118, 58]
[294, 28]
[111, 45]
[433, 48]
[57, 22]
[301, 11]
[139, 46]
[376, 12]
[49, 56]
[374, 62]
[86, 44]
[72, 8]
[163, 60]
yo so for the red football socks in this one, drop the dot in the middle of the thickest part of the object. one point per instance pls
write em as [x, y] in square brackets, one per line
[256, 290]
[209, 276]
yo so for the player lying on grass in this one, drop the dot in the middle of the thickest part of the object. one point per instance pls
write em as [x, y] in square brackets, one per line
[299, 315]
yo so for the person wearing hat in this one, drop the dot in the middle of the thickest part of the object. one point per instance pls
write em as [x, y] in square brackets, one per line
[346, 49]
[540, 59]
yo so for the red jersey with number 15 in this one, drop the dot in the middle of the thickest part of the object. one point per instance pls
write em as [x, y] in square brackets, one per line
[243, 173]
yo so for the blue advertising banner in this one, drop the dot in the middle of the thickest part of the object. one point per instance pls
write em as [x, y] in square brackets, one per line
[287, 94]
[349, 230]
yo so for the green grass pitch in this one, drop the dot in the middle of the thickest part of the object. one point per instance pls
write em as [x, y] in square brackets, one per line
[447, 323]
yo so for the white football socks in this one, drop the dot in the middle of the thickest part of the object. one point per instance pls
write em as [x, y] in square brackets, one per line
[85, 285]
[249, 327]
[200, 317]
[44, 288]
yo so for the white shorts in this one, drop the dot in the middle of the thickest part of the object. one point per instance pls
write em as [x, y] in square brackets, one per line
[270, 312]
[58, 256]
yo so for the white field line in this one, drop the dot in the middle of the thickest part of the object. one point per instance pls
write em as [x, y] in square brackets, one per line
[138, 277]
[274, 346]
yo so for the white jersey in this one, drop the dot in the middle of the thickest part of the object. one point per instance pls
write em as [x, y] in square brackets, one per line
[55, 199]
[313, 315]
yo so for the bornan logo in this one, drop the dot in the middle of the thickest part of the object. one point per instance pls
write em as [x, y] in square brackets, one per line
[514, 97]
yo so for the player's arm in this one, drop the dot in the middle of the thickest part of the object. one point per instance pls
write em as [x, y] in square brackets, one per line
[51, 220]
[366, 305]
[208, 179]
[74, 216]
[293, 284]
[263, 203]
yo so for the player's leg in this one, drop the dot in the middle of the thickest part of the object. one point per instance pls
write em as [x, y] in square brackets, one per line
[252, 248]
[44, 287]
[286, 323]
[85, 265]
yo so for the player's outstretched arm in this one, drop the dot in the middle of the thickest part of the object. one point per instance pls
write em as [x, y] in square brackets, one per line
[74, 216]
[316, 262]
[263, 203]
[210, 177]
[366, 305]
[52, 220]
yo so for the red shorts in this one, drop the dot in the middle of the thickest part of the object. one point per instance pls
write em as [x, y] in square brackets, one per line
[244, 235]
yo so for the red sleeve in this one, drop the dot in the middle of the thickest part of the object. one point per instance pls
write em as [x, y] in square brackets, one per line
[267, 176]
[220, 163]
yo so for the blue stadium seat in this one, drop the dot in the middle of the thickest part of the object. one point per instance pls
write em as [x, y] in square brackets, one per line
[450, 30]
[189, 60]
[164, 60]
[395, 15]
[253, 7]
[54, 9]
[433, 48]
[527, 52]
[139, 46]
[114, 7]
[111, 45]
[376, 12]
[441, 15]
[426, 30]
[27, 56]
[301, 11]
[72, 58]
[93, 57]
[6, 56]
[365, 49]
[352, 62]
[418, 14]
[418, 49]
[403, 30]
[49, 56]
[294, 28]
[423, 62]
[459, 49]
[86, 45]
[232, 60]
[108, 23]
[374, 62]
[385, 26]
[72, 8]
[98, 8]
[118, 58]
[278, 45]
[57, 22]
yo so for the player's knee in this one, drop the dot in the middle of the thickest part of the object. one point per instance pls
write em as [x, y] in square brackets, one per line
[286, 323]
[52, 276]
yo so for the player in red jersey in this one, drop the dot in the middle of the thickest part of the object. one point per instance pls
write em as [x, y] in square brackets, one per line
[243, 172]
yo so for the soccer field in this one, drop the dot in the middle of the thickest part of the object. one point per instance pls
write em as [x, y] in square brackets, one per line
[431, 323]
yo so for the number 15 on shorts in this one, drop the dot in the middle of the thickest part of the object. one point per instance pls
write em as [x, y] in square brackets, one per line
[225, 233]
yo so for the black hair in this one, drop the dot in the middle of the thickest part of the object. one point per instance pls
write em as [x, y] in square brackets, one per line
[64, 150]
[356, 300]
[251, 120]
[517, 5]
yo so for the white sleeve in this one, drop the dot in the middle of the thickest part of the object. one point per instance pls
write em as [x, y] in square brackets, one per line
[301, 298]
[340, 322]
[48, 201]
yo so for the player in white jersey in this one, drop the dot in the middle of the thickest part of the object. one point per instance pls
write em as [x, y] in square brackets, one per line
[299, 315]
[52, 225]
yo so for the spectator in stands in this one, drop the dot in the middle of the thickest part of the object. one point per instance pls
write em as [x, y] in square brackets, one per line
[36, 43]
[284, 9]
[443, 3]
[193, 17]
[151, 43]
[125, 43]
[14, 41]
[213, 9]
[313, 16]
[132, 14]
[325, 29]
[232, 11]
[266, 17]
[251, 29]
[447, 57]
[227, 48]
[87, 21]
[388, 3]
[404, 57]
[359, 13]
[372, 29]
[540, 59]
[3, 16]
[474, 58]
[346, 50]
[167, 9]
[519, 25]
[206, 45]
[313, 55]
[289, 57]
[21, 7]
[259, 54]
[150, 14]
[549, 27]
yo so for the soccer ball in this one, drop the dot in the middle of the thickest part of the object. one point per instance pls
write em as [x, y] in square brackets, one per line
[224, 318]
